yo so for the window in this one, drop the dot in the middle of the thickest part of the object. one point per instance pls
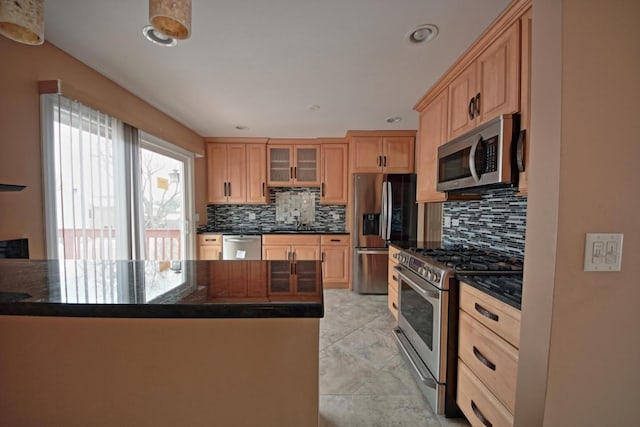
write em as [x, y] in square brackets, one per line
[111, 191]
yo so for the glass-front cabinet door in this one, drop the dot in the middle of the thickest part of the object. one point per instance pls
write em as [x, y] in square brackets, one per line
[280, 165]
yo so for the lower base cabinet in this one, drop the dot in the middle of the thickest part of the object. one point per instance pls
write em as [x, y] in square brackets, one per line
[210, 246]
[336, 261]
[487, 358]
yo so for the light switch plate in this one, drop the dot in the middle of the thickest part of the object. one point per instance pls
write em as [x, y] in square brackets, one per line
[603, 252]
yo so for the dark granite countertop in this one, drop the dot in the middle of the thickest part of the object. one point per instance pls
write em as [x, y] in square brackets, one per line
[277, 231]
[156, 289]
[506, 288]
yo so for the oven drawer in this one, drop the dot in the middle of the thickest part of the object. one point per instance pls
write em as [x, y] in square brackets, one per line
[477, 403]
[491, 358]
[501, 318]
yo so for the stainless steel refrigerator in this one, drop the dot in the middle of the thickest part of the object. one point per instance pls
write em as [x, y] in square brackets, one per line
[384, 209]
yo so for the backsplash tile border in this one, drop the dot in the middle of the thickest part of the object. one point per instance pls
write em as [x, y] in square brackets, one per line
[497, 221]
[262, 218]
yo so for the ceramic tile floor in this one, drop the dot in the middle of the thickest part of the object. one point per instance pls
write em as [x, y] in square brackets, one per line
[363, 379]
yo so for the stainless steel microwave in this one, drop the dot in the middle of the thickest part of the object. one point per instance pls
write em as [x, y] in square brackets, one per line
[480, 158]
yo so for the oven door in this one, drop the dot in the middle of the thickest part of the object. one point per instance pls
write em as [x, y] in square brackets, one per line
[421, 307]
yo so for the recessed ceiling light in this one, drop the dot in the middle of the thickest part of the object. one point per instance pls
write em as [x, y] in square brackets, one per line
[394, 119]
[242, 127]
[313, 107]
[157, 37]
[423, 33]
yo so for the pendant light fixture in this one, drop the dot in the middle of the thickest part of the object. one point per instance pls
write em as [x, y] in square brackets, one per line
[22, 20]
[171, 17]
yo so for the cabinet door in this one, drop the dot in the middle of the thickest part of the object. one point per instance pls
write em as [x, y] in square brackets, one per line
[237, 173]
[335, 264]
[333, 188]
[216, 173]
[276, 252]
[210, 252]
[366, 154]
[461, 90]
[306, 169]
[432, 132]
[280, 162]
[256, 174]
[525, 100]
[398, 154]
[499, 76]
[306, 252]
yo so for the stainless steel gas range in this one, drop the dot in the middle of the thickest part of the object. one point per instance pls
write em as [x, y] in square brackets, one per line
[427, 332]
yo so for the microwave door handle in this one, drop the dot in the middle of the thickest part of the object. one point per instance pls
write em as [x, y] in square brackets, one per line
[383, 212]
[472, 159]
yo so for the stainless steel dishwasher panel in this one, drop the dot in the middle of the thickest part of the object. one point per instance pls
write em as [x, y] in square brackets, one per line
[241, 247]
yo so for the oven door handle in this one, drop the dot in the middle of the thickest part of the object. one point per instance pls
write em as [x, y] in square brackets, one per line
[427, 293]
[399, 336]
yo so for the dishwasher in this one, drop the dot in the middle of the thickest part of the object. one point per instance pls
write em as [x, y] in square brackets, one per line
[241, 246]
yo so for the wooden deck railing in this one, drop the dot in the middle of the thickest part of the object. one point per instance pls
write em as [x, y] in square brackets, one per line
[160, 244]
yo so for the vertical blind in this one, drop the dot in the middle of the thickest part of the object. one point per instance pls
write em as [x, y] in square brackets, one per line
[86, 162]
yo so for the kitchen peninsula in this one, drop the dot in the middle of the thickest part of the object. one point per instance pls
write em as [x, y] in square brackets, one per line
[159, 343]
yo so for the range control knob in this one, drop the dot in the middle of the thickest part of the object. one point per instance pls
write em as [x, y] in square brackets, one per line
[436, 277]
[422, 271]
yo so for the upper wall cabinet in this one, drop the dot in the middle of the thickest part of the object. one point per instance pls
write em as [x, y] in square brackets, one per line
[488, 87]
[525, 90]
[334, 182]
[490, 79]
[385, 152]
[236, 171]
[432, 133]
[293, 163]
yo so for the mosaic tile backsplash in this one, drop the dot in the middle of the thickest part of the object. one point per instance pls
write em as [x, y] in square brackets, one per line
[286, 207]
[497, 221]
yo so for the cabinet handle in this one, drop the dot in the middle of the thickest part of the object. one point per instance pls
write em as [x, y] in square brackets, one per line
[295, 172]
[322, 257]
[291, 268]
[263, 189]
[291, 172]
[210, 240]
[486, 313]
[472, 108]
[385, 161]
[477, 112]
[395, 307]
[394, 278]
[335, 240]
[226, 192]
[481, 357]
[379, 161]
[479, 414]
[322, 190]
[229, 184]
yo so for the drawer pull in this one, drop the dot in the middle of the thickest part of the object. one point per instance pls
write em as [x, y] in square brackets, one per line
[486, 313]
[395, 307]
[479, 414]
[394, 278]
[483, 359]
[335, 240]
[210, 240]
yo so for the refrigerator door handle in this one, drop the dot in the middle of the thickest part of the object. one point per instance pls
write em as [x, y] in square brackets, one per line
[383, 212]
[389, 213]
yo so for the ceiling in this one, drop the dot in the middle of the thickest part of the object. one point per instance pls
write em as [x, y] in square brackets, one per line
[263, 63]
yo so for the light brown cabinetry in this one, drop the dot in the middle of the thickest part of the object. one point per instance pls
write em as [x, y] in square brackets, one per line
[525, 99]
[297, 247]
[488, 87]
[293, 163]
[489, 338]
[237, 280]
[295, 279]
[209, 246]
[236, 171]
[333, 176]
[336, 260]
[432, 133]
[373, 152]
[392, 296]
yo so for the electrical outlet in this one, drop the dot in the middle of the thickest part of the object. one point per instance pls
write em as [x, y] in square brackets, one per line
[252, 216]
[447, 221]
[335, 216]
[603, 252]
[455, 222]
